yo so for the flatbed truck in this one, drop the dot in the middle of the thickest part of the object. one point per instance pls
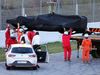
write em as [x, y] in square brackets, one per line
[95, 52]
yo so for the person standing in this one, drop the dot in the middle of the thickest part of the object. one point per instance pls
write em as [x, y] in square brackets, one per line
[24, 38]
[7, 35]
[14, 33]
[36, 41]
[31, 34]
[66, 44]
[86, 44]
[11, 40]
[86, 32]
[19, 34]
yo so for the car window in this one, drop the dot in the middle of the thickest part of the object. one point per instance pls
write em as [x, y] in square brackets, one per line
[21, 50]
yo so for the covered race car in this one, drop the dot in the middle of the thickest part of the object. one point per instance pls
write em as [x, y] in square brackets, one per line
[51, 22]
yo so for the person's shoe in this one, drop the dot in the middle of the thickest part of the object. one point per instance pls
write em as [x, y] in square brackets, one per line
[38, 66]
[88, 62]
[69, 60]
[83, 62]
[65, 59]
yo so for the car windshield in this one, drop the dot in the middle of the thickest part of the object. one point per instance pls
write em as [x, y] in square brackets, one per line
[21, 50]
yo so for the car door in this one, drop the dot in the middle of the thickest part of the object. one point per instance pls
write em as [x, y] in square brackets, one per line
[43, 54]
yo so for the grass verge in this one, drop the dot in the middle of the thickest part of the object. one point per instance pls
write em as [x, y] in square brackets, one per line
[54, 47]
[2, 55]
[57, 47]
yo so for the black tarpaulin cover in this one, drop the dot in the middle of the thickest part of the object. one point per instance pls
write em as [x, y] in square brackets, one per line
[51, 22]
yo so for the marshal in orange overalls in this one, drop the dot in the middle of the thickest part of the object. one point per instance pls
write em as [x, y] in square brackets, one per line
[86, 43]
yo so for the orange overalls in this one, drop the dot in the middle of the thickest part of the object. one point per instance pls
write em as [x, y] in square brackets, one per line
[19, 34]
[86, 43]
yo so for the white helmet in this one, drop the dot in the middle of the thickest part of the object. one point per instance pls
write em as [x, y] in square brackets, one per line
[66, 33]
[20, 30]
[11, 35]
[86, 35]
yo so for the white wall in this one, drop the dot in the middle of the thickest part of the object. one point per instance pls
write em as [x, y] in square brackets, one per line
[2, 38]
[93, 25]
[45, 37]
[50, 36]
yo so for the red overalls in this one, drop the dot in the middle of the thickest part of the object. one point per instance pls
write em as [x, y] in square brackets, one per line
[31, 34]
[7, 36]
[86, 43]
[11, 41]
[66, 45]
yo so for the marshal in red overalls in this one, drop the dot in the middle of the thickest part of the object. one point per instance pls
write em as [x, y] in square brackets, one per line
[66, 44]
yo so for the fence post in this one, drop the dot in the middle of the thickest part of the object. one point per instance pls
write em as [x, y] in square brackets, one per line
[0, 13]
[40, 7]
[5, 3]
[76, 1]
[90, 2]
[23, 10]
[76, 9]
[93, 10]
[73, 2]
[58, 1]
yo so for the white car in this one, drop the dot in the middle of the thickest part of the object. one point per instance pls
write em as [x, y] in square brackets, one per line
[21, 55]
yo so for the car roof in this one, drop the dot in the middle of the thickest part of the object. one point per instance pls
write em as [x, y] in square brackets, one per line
[21, 45]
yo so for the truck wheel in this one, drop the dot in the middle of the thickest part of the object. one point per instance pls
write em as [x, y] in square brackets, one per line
[95, 53]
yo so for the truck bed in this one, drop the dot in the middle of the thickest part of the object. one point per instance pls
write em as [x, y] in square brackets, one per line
[92, 37]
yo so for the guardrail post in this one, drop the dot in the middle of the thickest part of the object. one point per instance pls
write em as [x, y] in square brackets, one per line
[0, 13]
[78, 43]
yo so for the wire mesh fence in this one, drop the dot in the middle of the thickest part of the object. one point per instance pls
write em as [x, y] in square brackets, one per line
[13, 8]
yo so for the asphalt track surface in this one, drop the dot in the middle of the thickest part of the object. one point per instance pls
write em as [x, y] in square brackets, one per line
[57, 66]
